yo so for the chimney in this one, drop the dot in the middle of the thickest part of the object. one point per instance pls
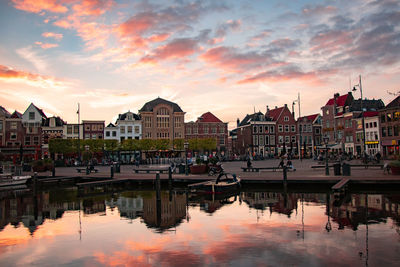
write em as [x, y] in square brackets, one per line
[237, 122]
[267, 108]
[285, 105]
[336, 95]
[276, 107]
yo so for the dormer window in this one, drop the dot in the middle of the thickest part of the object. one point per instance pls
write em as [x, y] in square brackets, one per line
[286, 118]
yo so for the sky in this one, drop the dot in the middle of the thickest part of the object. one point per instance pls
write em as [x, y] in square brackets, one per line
[226, 57]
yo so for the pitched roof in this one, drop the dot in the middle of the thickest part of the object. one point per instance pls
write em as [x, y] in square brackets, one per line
[340, 101]
[110, 125]
[59, 121]
[394, 103]
[39, 110]
[274, 114]
[123, 116]
[208, 117]
[309, 117]
[259, 116]
[5, 112]
[368, 105]
[16, 115]
[149, 106]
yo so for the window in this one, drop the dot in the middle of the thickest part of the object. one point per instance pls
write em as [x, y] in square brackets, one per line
[87, 136]
[94, 127]
[27, 140]
[375, 124]
[261, 140]
[162, 121]
[272, 140]
[367, 125]
[1, 126]
[254, 129]
[69, 129]
[162, 112]
[129, 129]
[327, 111]
[188, 130]
[114, 133]
[286, 128]
[383, 118]
[107, 133]
[214, 130]
[31, 115]
[178, 122]
[87, 127]
[13, 136]
[280, 139]
[13, 125]
[122, 129]
[272, 129]
[293, 139]
[327, 124]
[221, 130]
[309, 128]
[267, 140]
[293, 128]
[195, 130]
[280, 128]
[287, 139]
[390, 131]
[222, 140]
[205, 129]
[147, 122]
[389, 117]
[286, 118]
[396, 130]
[137, 129]
[76, 129]
[36, 140]
[317, 130]
[261, 130]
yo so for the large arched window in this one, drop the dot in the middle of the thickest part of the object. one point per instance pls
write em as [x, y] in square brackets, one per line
[163, 118]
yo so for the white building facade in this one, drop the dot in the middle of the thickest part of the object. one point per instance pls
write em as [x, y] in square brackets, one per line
[127, 126]
[372, 135]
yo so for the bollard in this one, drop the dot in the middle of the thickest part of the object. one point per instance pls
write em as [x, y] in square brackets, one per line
[112, 171]
[170, 175]
[53, 172]
[87, 170]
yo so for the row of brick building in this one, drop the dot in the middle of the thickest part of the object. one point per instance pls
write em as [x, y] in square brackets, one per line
[343, 122]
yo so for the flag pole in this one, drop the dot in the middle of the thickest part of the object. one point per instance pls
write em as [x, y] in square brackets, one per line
[79, 133]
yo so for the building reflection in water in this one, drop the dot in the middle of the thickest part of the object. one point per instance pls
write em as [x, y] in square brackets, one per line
[346, 211]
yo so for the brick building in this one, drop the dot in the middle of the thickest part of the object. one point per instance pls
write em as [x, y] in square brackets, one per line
[255, 136]
[162, 119]
[286, 128]
[93, 129]
[52, 128]
[209, 126]
[4, 114]
[32, 120]
[389, 119]
[311, 133]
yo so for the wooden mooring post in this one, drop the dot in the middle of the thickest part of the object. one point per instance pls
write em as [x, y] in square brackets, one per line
[285, 178]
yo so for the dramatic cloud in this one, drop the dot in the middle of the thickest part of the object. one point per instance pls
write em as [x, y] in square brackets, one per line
[92, 7]
[37, 6]
[8, 74]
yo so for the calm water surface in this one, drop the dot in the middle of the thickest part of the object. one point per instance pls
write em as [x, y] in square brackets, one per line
[132, 228]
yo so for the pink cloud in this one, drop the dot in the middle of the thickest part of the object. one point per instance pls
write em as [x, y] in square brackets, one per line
[228, 58]
[176, 49]
[46, 45]
[37, 6]
[57, 36]
[137, 25]
[272, 76]
[319, 10]
[330, 41]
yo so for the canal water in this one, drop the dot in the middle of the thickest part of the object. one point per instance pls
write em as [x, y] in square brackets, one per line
[137, 228]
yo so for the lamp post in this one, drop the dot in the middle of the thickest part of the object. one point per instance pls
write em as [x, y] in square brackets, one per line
[362, 113]
[298, 141]
[186, 146]
[326, 140]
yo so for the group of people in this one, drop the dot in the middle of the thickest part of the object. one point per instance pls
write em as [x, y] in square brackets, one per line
[288, 165]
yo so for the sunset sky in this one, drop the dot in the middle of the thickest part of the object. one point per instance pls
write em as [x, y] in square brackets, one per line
[227, 57]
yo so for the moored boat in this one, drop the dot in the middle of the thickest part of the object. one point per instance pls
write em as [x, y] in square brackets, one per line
[225, 182]
[10, 180]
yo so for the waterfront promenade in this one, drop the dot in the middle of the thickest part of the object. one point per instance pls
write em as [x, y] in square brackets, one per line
[303, 173]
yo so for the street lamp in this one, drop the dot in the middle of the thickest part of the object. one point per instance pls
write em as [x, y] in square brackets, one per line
[362, 112]
[186, 146]
[298, 141]
[326, 140]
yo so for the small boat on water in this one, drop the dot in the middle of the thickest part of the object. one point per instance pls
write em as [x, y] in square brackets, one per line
[10, 180]
[225, 182]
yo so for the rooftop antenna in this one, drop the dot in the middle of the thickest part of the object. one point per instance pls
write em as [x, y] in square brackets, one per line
[254, 109]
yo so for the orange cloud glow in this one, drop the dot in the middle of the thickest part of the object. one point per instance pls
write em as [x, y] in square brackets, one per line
[92, 7]
[57, 36]
[36, 6]
[46, 45]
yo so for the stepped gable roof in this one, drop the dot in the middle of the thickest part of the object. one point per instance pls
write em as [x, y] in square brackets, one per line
[208, 117]
[123, 116]
[274, 114]
[110, 125]
[340, 101]
[39, 110]
[368, 105]
[259, 116]
[5, 112]
[149, 106]
[395, 103]
[309, 117]
[16, 115]
[59, 121]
